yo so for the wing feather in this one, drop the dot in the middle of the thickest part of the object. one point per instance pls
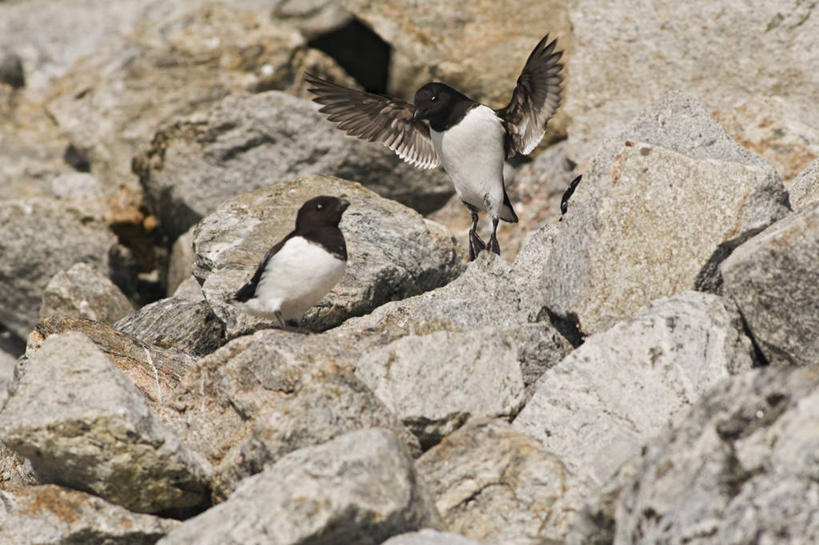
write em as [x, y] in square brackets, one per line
[377, 119]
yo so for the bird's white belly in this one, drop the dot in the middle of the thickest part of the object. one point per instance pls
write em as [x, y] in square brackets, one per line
[296, 278]
[472, 153]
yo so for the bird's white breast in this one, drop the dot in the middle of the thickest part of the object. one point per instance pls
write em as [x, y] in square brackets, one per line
[296, 278]
[472, 153]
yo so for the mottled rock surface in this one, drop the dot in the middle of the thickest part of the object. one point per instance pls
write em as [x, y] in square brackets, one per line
[652, 209]
[176, 322]
[15, 471]
[805, 188]
[56, 515]
[496, 485]
[49, 236]
[247, 142]
[623, 386]
[435, 382]
[83, 292]
[765, 96]
[102, 439]
[263, 396]
[737, 469]
[774, 280]
[392, 251]
[359, 488]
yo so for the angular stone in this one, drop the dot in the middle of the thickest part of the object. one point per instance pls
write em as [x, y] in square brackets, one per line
[497, 486]
[805, 188]
[176, 323]
[247, 142]
[435, 382]
[774, 280]
[652, 210]
[83, 292]
[265, 395]
[92, 430]
[392, 251]
[52, 514]
[591, 409]
[49, 236]
[155, 371]
[428, 536]
[738, 469]
[765, 96]
[359, 488]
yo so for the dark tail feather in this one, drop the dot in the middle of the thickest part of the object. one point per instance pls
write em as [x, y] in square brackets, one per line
[245, 292]
[507, 212]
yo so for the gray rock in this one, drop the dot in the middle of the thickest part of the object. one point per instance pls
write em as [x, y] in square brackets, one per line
[738, 469]
[435, 382]
[190, 290]
[311, 17]
[590, 409]
[495, 485]
[177, 323]
[113, 101]
[774, 280]
[805, 188]
[15, 471]
[154, 370]
[49, 237]
[263, 396]
[92, 430]
[247, 142]
[56, 515]
[747, 94]
[428, 536]
[359, 488]
[654, 206]
[83, 292]
[392, 251]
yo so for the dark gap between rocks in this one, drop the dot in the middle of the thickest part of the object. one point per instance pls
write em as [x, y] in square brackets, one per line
[360, 51]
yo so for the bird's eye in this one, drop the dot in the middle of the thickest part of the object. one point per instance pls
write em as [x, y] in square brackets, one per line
[319, 206]
[434, 98]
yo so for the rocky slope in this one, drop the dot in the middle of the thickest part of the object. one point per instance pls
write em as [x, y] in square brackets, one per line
[638, 370]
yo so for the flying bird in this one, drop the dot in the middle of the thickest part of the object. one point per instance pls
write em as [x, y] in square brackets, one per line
[302, 267]
[445, 127]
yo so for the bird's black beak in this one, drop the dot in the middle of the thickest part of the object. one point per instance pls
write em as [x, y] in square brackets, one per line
[343, 204]
[418, 114]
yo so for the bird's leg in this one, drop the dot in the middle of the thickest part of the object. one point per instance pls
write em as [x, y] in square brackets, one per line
[493, 240]
[476, 245]
[280, 318]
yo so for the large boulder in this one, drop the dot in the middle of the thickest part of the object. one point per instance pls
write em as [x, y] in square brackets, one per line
[738, 469]
[49, 236]
[359, 488]
[93, 430]
[497, 486]
[592, 409]
[56, 515]
[247, 142]
[392, 251]
[765, 96]
[265, 395]
[774, 280]
[655, 205]
[84, 292]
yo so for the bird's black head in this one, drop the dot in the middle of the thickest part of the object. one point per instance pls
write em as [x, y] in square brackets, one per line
[320, 212]
[436, 103]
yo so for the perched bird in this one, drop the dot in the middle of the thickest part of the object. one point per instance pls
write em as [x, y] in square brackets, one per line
[302, 267]
[445, 127]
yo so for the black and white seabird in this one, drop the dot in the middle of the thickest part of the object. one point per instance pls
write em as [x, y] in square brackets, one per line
[445, 127]
[302, 267]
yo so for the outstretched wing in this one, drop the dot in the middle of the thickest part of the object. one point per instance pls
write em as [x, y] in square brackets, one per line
[535, 98]
[377, 119]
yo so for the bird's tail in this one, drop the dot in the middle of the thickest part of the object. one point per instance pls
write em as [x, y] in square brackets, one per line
[507, 213]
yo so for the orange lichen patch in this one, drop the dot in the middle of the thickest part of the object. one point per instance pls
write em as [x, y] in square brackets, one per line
[53, 500]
